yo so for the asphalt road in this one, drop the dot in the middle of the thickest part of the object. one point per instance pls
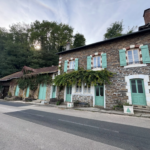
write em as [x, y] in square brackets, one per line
[33, 127]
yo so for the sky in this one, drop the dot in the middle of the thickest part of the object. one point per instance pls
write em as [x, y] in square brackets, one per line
[88, 17]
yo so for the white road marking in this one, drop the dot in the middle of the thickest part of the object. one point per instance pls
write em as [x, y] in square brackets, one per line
[33, 114]
[88, 125]
[79, 123]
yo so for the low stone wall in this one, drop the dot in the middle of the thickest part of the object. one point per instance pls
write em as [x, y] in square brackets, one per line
[83, 98]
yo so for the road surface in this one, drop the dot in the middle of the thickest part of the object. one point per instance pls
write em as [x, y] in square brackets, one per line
[32, 127]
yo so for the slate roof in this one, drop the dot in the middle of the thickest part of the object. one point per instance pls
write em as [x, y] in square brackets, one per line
[105, 41]
[19, 74]
[144, 26]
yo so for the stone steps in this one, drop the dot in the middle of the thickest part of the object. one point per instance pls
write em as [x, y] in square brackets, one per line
[141, 109]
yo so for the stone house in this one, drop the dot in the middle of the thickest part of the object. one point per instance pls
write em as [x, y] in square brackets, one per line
[127, 56]
[43, 92]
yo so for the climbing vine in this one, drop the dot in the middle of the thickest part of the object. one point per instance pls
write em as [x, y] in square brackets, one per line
[86, 76]
[33, 81]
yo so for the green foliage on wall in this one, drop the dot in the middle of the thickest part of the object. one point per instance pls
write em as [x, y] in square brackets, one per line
[87, 76]
[34, 81]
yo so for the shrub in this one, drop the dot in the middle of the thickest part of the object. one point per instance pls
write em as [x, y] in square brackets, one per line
[58, 103]
[9, 94]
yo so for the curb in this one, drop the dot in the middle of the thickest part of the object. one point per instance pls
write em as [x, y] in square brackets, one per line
[100, 111]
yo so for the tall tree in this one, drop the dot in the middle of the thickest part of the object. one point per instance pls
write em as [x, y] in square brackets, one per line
[79, 40]
[116, 30]
[51, 35]
[18, 45]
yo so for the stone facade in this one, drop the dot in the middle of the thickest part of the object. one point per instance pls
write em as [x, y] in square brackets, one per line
[83, 98]
[34, 94]
[117, 91]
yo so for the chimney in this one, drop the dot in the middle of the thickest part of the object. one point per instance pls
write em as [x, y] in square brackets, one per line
[68, 46]
[146, 16]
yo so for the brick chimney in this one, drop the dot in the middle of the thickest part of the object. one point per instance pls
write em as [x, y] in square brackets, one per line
[146, 16]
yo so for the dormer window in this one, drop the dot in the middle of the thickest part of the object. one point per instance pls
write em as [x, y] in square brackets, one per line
[96, 62]
[72, 65]
[133, 57]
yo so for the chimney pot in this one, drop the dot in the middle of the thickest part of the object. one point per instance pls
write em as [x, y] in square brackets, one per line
[146, 16]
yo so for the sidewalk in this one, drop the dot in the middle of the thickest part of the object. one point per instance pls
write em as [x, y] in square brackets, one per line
[91, 109]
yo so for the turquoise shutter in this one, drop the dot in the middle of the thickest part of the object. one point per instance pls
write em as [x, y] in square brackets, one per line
[122, 55]
[104, 60]
[27, 92]
[17, 91]
[145, 54]
[76, 64]
[44, 91]
[88, 62]
[40, 92]
[65, 66]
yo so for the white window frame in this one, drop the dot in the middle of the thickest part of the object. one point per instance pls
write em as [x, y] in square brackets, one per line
[133, 57]
[72, 64]
[97, 61]
[88, 90]
[78, 88]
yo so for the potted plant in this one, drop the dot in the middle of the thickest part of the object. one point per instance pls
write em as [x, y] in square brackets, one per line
[119, 106]
[128, 108]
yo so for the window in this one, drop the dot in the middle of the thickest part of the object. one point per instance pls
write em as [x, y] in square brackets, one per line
[87, 88]
[97, 62]
[133, 57]
[78, 89]
[71, 64]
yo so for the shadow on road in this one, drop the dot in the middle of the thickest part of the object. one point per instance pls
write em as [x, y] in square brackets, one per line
[122, 136]
[13, 104]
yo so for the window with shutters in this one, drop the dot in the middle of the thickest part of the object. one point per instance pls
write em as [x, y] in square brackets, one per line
[133, 57]
[97, 62]
[72, 65]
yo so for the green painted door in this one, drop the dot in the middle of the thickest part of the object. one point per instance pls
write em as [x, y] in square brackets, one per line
[54, 91]
[27, 92]
[99, 95]
[138, 92]
[42, 92]
[68, 93]
[17, 91]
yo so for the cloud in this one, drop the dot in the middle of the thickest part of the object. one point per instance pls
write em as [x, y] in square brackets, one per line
[91, 18]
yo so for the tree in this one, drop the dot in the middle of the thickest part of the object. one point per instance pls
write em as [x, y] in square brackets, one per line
[51, 35]
[15, 52]
[116, 30]
[79, 40]
[17, 45]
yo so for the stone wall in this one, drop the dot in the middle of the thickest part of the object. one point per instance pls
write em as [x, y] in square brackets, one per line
[117, 90]
[48, 92]
[60, 93]
[12, 89]
[83, 98]
[35, 94]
